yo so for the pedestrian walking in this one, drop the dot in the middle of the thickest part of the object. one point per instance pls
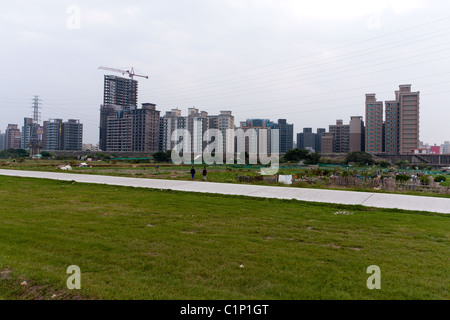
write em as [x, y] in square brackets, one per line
[204, 173]
[193, 173]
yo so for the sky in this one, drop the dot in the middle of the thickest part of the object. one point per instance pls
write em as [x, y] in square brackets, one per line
[310, 62]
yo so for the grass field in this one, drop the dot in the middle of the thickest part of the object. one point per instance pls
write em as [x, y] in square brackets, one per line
[135, 243]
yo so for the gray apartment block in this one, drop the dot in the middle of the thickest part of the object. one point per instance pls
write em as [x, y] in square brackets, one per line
[310, 141]
[197, 123]
[374, 124]
[2, 141]
[59, 135]
[357, 134]
[72, 135]
[52, 138]
[286, 134]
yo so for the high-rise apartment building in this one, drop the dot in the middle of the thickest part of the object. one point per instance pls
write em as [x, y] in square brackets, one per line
[306, 140]
[117, 92]
[133, 129]
[374, 124]
[52, 137]
[399, 133]
[72, 135]
[224, 122]
[445, 148]
[31, 134]
[13, 137]
[310, 141]
[119, 132]
[2, 141]
[59, 135]
[357, 134]
[341, 137]
[197, 123]
[327, 142]
[167, 124]
[409, 104]
[145, 128]
[392, 127]
[319, 134]
[120, 91]
[286, 135]
[251, 143]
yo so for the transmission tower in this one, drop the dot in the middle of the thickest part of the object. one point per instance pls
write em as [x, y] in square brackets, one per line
[36, 108]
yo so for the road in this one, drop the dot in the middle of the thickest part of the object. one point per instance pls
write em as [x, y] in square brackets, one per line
[368, 199]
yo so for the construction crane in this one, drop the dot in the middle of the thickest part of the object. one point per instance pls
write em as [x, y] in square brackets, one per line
[123, 72]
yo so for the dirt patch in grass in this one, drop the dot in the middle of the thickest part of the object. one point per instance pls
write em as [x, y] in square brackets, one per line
[20, 288]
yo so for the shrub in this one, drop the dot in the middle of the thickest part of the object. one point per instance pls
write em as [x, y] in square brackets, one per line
[313, 158]
[425, 180]
[46, 154]
[402, 178]
[296, 155]
[161, 156]
[440, 178]
[359, 157]
[383, 164]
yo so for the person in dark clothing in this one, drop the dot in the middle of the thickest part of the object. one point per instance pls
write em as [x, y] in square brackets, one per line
[193, 173]
[204, 173]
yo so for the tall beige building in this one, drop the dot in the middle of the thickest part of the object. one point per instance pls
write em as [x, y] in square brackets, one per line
[409, 128]
[402, 121]
[374, 124]
[327, 142]
[134, 130]
[341, 134]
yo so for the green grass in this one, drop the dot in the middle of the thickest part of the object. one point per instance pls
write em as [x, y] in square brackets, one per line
[133, 243]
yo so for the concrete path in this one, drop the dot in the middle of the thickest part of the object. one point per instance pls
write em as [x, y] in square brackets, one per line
[378, 200]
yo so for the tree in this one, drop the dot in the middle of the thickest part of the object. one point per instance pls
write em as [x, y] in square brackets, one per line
[46, 154]
[14, 153]
[296, 155]
[313, 158]
[162, 156]
[359, 157]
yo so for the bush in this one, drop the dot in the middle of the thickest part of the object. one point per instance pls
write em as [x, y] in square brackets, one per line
[425, 180]
[46, 154]
[296, 155]
[162, 156]
[13, 153]
[383, 164]
[402, 163]
[440, 178]
[313, 158]
[402, 178]
[359, 157]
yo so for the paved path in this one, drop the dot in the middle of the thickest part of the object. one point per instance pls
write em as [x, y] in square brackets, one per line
[379, 200]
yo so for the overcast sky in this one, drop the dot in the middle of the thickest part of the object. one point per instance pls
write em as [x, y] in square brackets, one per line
[311, 62]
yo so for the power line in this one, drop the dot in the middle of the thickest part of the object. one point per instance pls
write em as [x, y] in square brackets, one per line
[308, 65]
